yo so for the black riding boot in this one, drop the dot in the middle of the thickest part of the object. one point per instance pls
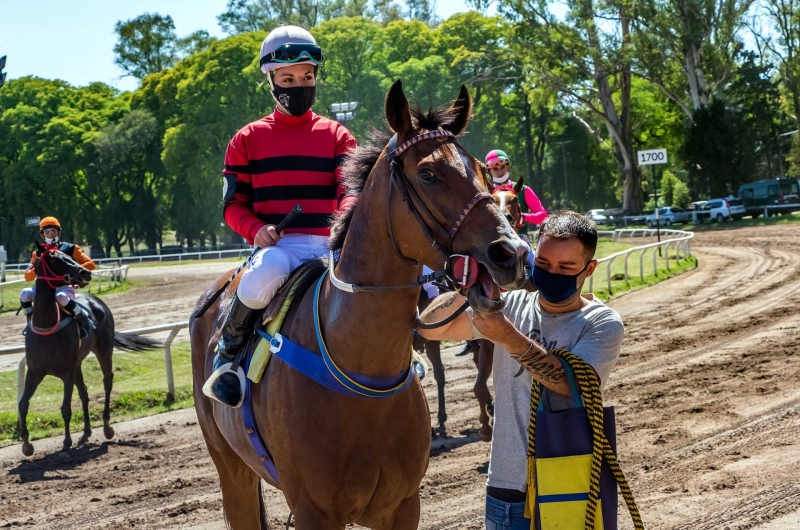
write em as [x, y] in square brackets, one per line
[470, 346]
[27, 310]
[81, 318]
[225, 385]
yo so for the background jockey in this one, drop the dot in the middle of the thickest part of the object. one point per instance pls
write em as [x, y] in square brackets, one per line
[289, 157]
[498, 164]
[50, 230]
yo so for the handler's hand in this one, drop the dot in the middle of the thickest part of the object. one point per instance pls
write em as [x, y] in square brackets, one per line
[267, 236]
[495, 326]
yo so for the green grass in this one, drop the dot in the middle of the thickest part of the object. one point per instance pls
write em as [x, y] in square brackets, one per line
[618, 284]
[11, 294]
[139, 390]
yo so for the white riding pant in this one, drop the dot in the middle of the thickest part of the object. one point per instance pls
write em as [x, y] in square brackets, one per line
[64, 294]
[272, 265]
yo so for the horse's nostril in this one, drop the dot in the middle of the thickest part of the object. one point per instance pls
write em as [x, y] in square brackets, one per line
[502, 254]
[510, 219]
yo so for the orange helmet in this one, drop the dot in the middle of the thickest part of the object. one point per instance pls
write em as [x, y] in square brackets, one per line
[48, 222]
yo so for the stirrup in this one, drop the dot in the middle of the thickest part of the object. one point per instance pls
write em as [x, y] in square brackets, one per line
[226, 369]
[419, 365]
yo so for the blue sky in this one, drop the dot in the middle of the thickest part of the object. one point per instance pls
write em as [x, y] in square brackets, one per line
[73, 40]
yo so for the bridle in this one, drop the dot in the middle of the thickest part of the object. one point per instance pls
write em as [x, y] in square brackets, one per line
[47, 273]
[399, 180]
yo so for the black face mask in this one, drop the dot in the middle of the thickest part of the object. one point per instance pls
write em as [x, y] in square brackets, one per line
[297, 100]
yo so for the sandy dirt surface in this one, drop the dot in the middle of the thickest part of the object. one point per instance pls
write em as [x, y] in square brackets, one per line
[706, 393]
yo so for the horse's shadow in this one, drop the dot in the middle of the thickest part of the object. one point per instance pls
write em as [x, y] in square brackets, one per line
[52, 466]
[447, 443]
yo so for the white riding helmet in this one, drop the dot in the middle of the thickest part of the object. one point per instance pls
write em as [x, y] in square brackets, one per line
[289, 45]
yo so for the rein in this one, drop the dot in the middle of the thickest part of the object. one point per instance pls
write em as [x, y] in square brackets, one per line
[47, 273]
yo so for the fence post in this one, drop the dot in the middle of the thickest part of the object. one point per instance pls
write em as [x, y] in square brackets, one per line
[608, 274]
[655, 260]
[628, 255]
[168, 364]
[641, 264]
[666, 253]
[591, 282]
[21, 378]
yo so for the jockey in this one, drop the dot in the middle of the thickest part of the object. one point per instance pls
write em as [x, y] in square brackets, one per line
[291, 156]
[532, 210]
[50, 230]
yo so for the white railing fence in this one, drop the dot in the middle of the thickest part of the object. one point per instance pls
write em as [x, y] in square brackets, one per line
[173, 328]
[677, 239]
[208, 254]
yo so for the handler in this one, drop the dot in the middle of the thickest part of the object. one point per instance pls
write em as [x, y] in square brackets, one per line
[529, 326]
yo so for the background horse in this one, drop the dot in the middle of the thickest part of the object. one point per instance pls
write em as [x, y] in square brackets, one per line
[343, 459]
[507, 201]
[53, 345]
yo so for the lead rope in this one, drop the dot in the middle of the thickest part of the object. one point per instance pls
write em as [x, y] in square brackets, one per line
[589, 385]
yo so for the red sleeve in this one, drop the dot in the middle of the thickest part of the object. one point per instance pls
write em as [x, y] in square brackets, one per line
[345, 144]
[238, 190]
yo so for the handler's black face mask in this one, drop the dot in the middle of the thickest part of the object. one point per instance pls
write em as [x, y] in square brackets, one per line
[297, 99]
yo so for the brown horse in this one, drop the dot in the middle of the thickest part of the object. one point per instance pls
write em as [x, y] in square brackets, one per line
[53, 345]
[507, 200]
[344, 459]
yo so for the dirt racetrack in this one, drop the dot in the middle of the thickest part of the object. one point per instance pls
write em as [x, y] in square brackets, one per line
[706, 392]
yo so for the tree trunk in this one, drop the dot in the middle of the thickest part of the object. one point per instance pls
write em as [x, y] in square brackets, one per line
[526, 130]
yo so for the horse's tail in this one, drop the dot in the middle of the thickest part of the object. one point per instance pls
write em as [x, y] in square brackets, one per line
[131, 342]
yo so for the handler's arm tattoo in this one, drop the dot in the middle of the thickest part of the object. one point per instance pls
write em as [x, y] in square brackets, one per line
[544, 367]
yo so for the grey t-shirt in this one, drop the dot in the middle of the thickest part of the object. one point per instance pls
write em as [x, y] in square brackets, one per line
[593, 333]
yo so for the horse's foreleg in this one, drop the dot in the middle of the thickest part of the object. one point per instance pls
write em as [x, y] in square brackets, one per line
[108, 382]
[309, 517]
[433, 350]
[407, 515]
[84, 395]
[481, 389]
[32, 381]
[66, 407]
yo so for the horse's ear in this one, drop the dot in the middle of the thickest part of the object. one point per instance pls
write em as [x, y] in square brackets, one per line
[520, 183]
[397, 112]
[39, 248]
[462, 112]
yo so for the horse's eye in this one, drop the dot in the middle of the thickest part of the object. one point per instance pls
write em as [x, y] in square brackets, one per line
[427, 176]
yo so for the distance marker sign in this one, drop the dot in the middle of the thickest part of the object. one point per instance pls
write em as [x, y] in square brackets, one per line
[651, 157]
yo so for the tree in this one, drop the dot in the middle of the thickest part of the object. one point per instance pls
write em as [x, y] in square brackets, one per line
[146, 44]
[586, 57]
[697, 38]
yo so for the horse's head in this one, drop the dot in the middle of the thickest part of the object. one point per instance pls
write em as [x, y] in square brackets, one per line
[447, 209]
[507, 199]
[58, 269]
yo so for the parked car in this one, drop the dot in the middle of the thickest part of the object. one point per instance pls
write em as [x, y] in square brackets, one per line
[720, 209]
[668, 216]
[597, 216]
[781, 195]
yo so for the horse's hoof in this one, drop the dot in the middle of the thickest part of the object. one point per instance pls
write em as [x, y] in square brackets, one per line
[27, 448]
[441, 430]
[108, 432]
[64, 455]
[485, 434]
[84, 438]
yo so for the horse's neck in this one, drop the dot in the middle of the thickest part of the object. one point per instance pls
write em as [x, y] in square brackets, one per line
[371, 333]
[45, 312]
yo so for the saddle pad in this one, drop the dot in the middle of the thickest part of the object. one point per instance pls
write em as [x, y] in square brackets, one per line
[273, 320]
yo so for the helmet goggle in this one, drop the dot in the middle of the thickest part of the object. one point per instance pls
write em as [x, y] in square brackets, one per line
[292, 53]
[497, 161]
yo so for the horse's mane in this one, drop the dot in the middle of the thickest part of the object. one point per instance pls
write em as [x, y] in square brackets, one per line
[359, 164]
